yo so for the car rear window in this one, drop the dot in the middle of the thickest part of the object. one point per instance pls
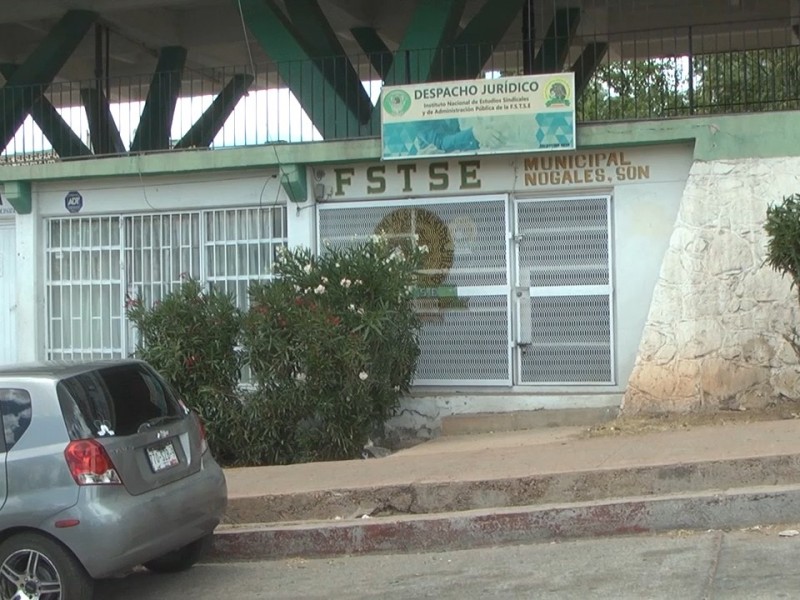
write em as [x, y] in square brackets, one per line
[15, 405]
[116, 400]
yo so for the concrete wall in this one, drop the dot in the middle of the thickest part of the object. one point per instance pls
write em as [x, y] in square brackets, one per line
[179, 191]
[714, 334]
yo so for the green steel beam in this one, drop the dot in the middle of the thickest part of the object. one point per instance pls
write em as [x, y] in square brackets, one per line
[64, 140]
[18, 194]
[331, 114]
[476, 42]
[433, 26]
[29, 81]
[156, 121]
[587, 64]
[205, 129]
[102, 129]
[322, 44]
[555, 45]
[380, 57]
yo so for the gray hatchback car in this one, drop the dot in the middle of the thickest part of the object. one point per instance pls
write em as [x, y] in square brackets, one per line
[104, 469]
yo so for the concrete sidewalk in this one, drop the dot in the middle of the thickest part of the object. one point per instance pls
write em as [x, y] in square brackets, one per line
[461, 491]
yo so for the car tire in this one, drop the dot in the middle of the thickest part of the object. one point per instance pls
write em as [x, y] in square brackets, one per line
[54, 570]
[180, 559]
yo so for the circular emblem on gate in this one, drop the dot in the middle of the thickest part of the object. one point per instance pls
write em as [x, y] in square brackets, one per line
[400, 225]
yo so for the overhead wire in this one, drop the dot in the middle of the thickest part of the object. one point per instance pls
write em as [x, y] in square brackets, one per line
[246, 39]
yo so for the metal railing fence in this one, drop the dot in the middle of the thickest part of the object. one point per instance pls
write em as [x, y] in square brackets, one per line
[659, 73]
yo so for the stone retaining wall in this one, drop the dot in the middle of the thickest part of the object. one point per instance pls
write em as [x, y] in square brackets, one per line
[714, 335]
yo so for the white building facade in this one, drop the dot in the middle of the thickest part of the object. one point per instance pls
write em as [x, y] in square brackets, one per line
[618, 275]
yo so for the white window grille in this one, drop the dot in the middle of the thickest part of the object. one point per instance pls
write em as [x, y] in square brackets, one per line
[94, 264]
[241, 247]
[161, 251]
[84, 288]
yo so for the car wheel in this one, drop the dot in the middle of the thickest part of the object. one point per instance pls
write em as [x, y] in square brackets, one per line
[180, 559]
[34, 566]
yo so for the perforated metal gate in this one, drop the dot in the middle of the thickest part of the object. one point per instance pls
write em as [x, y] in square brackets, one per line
[95, 264]
[563, 292]
[553, 327]
[465, 338]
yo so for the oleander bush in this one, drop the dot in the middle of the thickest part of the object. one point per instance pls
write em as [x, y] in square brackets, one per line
[331, 345]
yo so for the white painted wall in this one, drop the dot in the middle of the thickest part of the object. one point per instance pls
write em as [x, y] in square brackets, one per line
[302, 219]
[117, 196]
[8, 292]
[644, 217]
[149, 194]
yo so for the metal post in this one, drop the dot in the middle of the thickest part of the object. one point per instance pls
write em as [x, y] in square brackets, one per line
[528, 37]
[691, 73]
[108, 63]
[98, 77]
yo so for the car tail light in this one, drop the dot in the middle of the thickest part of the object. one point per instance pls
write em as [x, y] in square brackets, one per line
[203, 440]
[90, 464]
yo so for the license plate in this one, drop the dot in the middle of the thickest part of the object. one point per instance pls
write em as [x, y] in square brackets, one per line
[162, 457]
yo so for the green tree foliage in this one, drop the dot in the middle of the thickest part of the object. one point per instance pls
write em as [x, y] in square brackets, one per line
[190, 338]
[651, 88]
[783, 230]
[729, 82]
[748, 81]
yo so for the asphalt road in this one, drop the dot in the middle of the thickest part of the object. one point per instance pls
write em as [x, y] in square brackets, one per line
[750, 564]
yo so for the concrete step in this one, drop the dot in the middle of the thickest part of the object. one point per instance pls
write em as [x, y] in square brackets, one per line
[448, 495]
[709, 509]
[463, 491]
[485, 422]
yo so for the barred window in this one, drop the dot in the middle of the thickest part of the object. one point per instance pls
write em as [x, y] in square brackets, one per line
[94, 264]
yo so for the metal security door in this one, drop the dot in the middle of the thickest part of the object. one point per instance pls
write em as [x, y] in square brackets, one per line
[8, 295]
[562, 291]
[464, 309]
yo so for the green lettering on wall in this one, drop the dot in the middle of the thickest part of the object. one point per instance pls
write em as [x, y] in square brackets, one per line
[406, 171]
[376, 177]
[469, 174]
[439, 179]
[343, 178]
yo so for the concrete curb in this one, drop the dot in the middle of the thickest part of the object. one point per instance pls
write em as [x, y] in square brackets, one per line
[733, 508]
[421, 497]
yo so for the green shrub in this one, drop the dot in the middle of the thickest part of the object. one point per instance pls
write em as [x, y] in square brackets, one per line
[332, 344]
[783, 248]
[783, 228]
[190, 338]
